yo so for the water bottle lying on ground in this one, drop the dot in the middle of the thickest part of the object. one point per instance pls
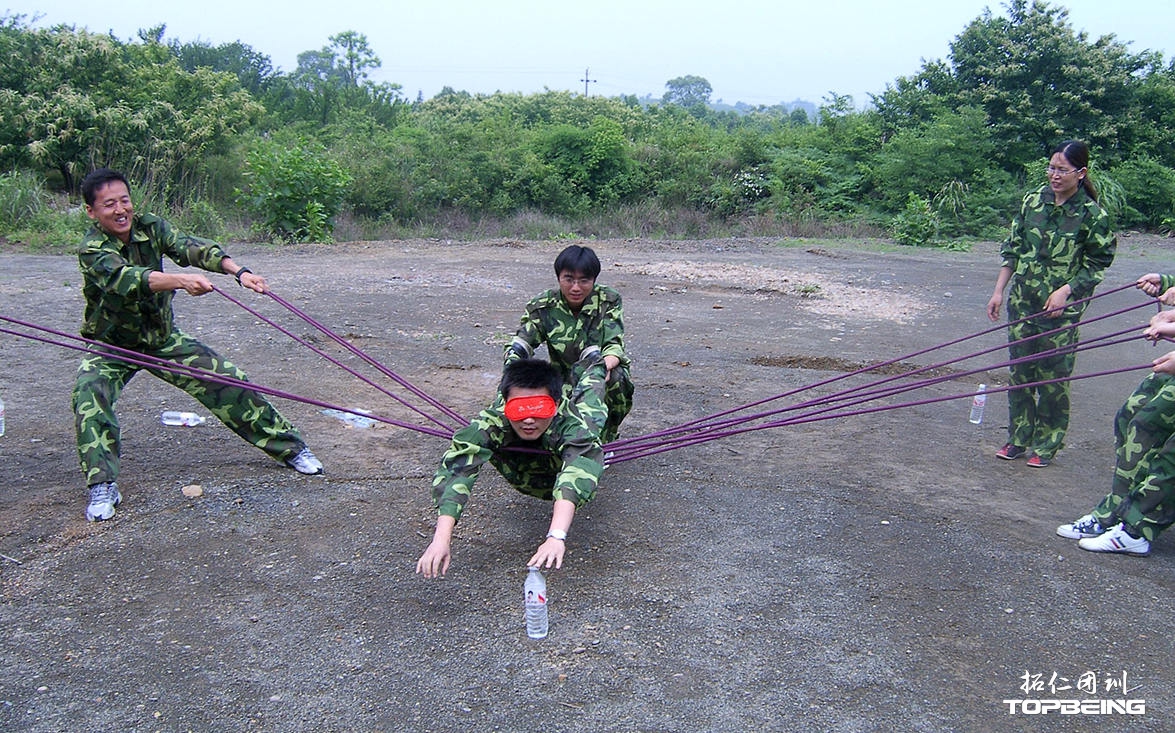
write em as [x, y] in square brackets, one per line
[354, 419]
[177, 418]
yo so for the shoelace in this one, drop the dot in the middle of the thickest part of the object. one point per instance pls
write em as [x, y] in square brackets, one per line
[103, 494]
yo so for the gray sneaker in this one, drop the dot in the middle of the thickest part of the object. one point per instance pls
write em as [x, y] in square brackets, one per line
[305, 462]
[1087, 526]
[103, 498]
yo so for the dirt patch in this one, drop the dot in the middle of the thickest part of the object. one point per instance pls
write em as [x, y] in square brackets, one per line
[817, 293]
[868, 573]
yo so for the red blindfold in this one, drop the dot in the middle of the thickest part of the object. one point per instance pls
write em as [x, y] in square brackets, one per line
[540, 407]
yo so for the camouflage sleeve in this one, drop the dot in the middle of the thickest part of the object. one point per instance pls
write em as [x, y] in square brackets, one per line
[612, 327]
[583, 458]
[186, 250]
[1012, 248]
[471, 447]
[1166, 282]
[1099, 246]
[531, 331]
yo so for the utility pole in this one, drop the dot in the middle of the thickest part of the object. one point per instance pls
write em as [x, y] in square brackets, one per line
[586, 81]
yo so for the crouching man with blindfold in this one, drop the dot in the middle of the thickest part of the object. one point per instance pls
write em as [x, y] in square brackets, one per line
[544, 446]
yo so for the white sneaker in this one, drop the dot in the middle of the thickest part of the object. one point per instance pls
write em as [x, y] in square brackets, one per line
[305, 462]
[1087, 526]
[1116, 540]
[103, 498]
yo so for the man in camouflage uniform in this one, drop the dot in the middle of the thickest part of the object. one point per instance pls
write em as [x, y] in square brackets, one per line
[1059, 247]
[1141, 501]
[574, 318]
[550, 450]
[128, 305]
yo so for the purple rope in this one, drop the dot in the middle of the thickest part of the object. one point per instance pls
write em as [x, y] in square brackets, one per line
[339, 364]
[703, 421]
[814, 417]
[713, 428]
[728, 428]
[380, 367]
[149, 362]
[872, 391]
[710, 421]
[695, 432]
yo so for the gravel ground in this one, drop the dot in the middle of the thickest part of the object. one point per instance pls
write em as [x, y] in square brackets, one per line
[871, 573]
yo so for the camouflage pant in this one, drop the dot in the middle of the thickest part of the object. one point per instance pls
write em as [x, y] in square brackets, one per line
[1142, 493]
[618, 400]
[101, 379]
[1038, 417]
[618, 394]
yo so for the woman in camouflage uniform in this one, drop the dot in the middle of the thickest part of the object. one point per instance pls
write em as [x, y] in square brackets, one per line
[1060, 245]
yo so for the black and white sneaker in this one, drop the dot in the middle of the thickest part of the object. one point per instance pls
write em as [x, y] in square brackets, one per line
[1087, 526]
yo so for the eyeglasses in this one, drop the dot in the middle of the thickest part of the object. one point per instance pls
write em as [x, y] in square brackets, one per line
[1052, 170]
[582, 282]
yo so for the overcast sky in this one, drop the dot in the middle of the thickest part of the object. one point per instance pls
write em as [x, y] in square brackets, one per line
[753, 51]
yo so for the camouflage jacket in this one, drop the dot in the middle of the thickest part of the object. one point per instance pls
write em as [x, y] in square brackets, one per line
[1052, 245]
[600, 322]
[120, 307]
[565, 463]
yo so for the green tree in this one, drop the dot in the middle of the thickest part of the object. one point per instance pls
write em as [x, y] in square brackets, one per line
[687, 91]
[1040, 82]
[50, 98]
[72, 100]
[913, 101]
[1148, 124]
[799, 116]
[254, 70]
[1148, 187]
[336, 77]
[952, 147]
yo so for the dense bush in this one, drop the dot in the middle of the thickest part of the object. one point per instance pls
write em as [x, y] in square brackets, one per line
[1148, 187]
[965, 137]
[917, 225]
[294, 191]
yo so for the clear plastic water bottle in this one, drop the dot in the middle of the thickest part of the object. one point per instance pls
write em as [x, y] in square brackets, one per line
[185, 419]
[535, 596]
[352, 418]
[1, 417]
[978, 402]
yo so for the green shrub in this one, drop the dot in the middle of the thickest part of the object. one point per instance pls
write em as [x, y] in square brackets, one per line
[22, 196]
[294, 191]
[1147, 190]
[200, 217]
[917, 225]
